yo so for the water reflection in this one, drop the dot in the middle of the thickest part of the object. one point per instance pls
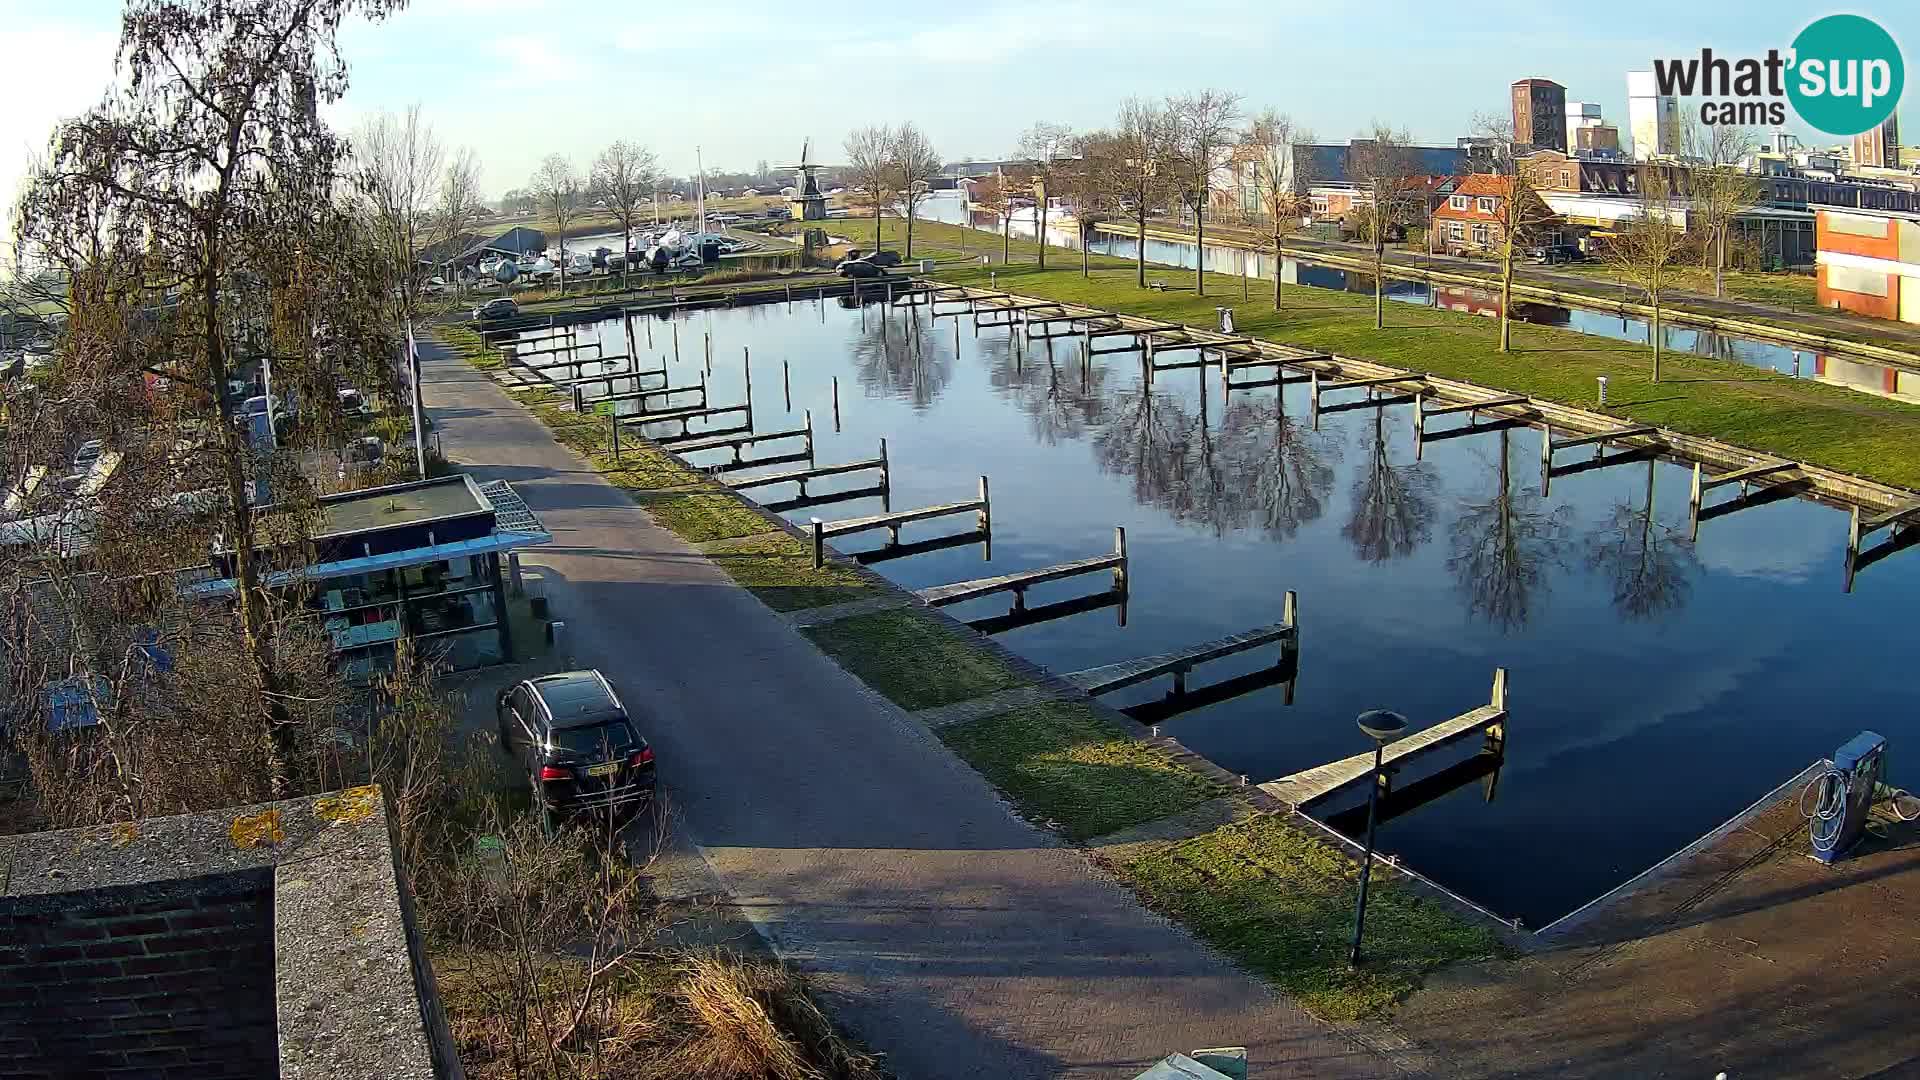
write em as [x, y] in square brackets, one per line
[1503, 544]
[1648, 565]
[1059, 392]
[1393, 505]
[900, 355]
[1285, 467]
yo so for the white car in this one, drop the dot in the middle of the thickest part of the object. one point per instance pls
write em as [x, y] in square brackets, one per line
[580, 265]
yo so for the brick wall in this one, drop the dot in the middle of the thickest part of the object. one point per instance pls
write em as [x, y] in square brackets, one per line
[142, 985]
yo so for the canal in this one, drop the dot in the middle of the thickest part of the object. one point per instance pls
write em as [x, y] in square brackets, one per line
[1864, 376]
[1659, 685]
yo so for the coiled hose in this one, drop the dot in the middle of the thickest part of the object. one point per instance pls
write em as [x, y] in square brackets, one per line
[1830, 805]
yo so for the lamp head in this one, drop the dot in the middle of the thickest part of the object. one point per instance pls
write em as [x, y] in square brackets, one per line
[1382, 725]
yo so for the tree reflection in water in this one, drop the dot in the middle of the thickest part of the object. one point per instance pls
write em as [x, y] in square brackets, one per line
[1503, 546]
[900, 354]
[1392, 504]
[1648, 564]
[1060, 395]
[1284, 466]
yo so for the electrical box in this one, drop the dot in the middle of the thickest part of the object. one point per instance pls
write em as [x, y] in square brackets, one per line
[1841, 815]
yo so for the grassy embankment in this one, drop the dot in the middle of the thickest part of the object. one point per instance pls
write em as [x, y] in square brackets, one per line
[1721, 399]
[1274, 896]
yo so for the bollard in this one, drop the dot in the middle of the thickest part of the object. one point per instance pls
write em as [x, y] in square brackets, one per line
[836, 404]
[1603, 391]
[819, 544]
[557, 634]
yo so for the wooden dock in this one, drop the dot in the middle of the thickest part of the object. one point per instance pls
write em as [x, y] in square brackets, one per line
[1019, 582]
[739, 443]
[1312, 785]
[1110, 677]
[981, 508]
[801, 477]
[686, 417]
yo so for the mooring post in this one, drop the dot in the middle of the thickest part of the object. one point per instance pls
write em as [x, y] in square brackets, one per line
[1419, 416]
[1853, 533]
[746, 368]
[983, 518]
[786, 381]
[1120, 549]
[676, 341]
[1546, 458]
[886, 470]
[709, 350]
[613, 427]
[1693, 504]
[819, 544]
[836, 404]
[1496, 737]
[579, 401]
[1290, 610]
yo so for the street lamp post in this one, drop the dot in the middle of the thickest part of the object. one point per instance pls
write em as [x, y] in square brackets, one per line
[1382, 727]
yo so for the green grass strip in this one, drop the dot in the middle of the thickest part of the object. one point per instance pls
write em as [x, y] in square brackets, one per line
[1280, 901]
[913, 660]
[779, 570]
[1061, 762]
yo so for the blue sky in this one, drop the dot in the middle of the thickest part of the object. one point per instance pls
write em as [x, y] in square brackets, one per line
[518, 79]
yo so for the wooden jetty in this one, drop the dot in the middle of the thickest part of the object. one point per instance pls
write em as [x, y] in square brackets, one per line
[801, 477]
[1549, 446]
[1312, 785]
[1019, 582]
[1117, 676]
[686, 417]
[664, 393]
[1904, 520]
[981, 508]
[738, 444]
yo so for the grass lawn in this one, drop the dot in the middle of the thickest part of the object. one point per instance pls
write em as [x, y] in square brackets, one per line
[1061, 762]
[700, 516]
[779, 570]
[1768, 412]
[1281, 900]
[913, 660]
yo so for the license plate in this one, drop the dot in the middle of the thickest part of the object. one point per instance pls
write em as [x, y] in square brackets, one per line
[608, 769]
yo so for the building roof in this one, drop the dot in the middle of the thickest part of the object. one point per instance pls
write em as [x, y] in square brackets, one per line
[1317, 162]
[400, 504]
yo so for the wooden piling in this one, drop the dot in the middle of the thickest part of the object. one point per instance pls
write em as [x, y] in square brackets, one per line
[810, 457]
[886, 470]
[786, 380]
[676, 341]
[746, 369]
[984, 519]
[836, 404]
[709, 350]
[613, 425]
[1120, 549]
[819, 544]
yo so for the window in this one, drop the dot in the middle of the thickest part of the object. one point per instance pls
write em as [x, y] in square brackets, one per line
[1455, 231]
[1458, 202]
[1480, 235]
[1566, 178]
[1486, 204]
[612, 739]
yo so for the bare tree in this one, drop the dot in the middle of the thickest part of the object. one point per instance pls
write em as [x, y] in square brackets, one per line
[461, 206]
[1383, 166]
[914, 166]
[397, 173]
[1203, 130]
[1643, 245]
[1267, 150]
[208, 171]
[1520, 215]
[1141, 171]
[1504, 545]
[1088, 186]
[870, 166]
[1048, 147]
[624, 176]
[556, 186]
[1721, 188]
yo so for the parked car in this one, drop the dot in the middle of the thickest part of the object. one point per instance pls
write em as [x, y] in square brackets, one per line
[1557, 253]
[577, 743]
[500, 307]
[859, 268]
[352, 405]
[884, 258]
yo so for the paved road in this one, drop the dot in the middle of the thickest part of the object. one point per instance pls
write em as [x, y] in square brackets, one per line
[956, 939]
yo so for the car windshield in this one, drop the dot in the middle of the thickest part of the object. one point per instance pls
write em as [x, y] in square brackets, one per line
[599, 741]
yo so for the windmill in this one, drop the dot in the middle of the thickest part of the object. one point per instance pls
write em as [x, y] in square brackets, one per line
[810, 204]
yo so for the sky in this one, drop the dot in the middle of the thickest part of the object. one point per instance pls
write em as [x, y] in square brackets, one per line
[749, 81]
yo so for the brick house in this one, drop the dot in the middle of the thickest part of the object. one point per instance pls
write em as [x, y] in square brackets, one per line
[1469, 218]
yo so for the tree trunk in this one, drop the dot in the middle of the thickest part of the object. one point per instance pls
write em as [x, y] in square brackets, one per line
[1006, 235]
[1199, 251]
[876, 220]
[1279, 266]
[1379, 285]
[626, 244]
[1040, 229]
[1086, 259]
[1140, 246]
[909, 252]
[1656, 335]
[1719, 262]
[1506, 295]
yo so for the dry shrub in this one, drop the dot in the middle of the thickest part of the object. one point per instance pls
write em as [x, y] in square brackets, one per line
[749, 1018]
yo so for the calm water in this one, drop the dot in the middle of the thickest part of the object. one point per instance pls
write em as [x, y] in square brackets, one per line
[1658, 685]
[1869, 378]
